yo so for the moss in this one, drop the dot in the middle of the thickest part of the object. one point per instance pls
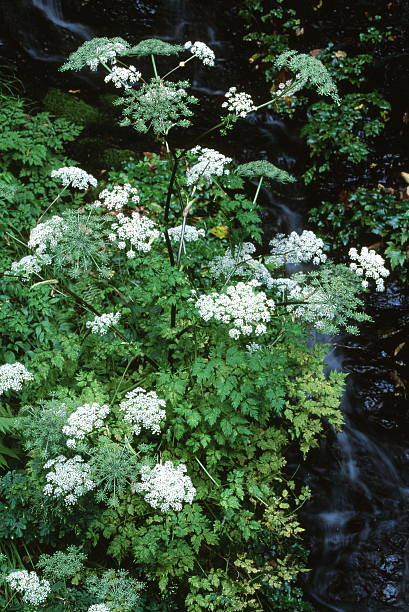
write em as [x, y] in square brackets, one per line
[70, 107]
[115, 158]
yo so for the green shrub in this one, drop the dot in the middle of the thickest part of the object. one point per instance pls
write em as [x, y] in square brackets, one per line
[69, 107]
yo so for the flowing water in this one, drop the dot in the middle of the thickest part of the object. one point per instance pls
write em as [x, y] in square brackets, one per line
[357, 521]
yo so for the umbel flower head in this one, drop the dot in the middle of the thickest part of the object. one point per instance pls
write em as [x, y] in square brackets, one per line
[33, 590]
[74, 177]
[201, 51]
[123, 77]
[117, 197]
[83, 421]
[101, 324]
[238, 262]
[97, 51]
[238, 103]
[310, 71]
[297, 248]
[210, 163]
[157, 105]
[98, 608]
[265, 169]
[166, 487]
[29, 265]
[143, 409]
[154, 46]
[68, 479]
[192, 234]
[12, 376]
[245, 311]
[369, 265]
[137, 231]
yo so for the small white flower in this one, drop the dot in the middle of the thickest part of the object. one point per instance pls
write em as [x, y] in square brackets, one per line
[98, 608]
[106, 52]
[138, 230]
[253, 347]
[83, 421]
[71, 175]
[101, 324]
[29, 265]
[210, 163]
[191, 233]
[12, 376]
[166, 486]
[201, 51]
[238, 103]
[297, 248]
[28, 584]
[46, 235]
[239, 262]
[68, 479]
[240, 307]
[123, 77]
[143, 409]
[370, 265]
[117, 197]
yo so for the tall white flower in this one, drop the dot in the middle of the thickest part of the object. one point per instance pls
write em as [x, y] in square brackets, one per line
[191, 233]
[84, 420]
[105, 52]
[71, 175]
[143, 409]
[166, 487]
[46, 235]
[240, 307]
[297, 248]
[29, 265]
[117, 197]
[239, 262]
[210, 162]
[238, 103]
[369, 265]
[123, 77]
[69, 478]
[138, 230]
[33, 590]
[101, 324]
[201, 51]
[12, 376]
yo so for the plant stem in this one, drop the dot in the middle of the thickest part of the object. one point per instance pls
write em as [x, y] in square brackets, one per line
[154, 66]
[206, 472]
[53, 202]
[258, 189]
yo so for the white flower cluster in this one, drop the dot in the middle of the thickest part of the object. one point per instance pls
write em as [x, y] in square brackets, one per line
[191, 233]
[46, 235]
[105, 53]
[210, 162]
[117, 197]
[137, 229]
[238, 103]
[12, 376]
[143, 409]
[69, 478]
[240, 263]
[253, 347]
[98, 608]
[201, 51]
[284, 285]
[370, 265]
[166, 486]
[29, 265]
[240, 307]
[71, 175]
[123, 77]
[317, 309]
[297, 248]
[34, 590]
[101, 324]
[83, 421]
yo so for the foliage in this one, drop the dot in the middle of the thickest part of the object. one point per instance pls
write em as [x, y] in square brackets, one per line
[233, 403]
[367, 216]
[69, 107]
[343, 132]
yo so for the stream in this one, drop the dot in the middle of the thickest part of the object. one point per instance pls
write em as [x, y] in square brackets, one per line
[357, 522]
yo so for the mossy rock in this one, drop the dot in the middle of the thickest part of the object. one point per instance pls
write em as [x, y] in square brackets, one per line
[116, 158]
[70, 107]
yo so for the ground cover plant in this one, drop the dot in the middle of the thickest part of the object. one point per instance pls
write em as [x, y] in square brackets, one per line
[156, 366]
